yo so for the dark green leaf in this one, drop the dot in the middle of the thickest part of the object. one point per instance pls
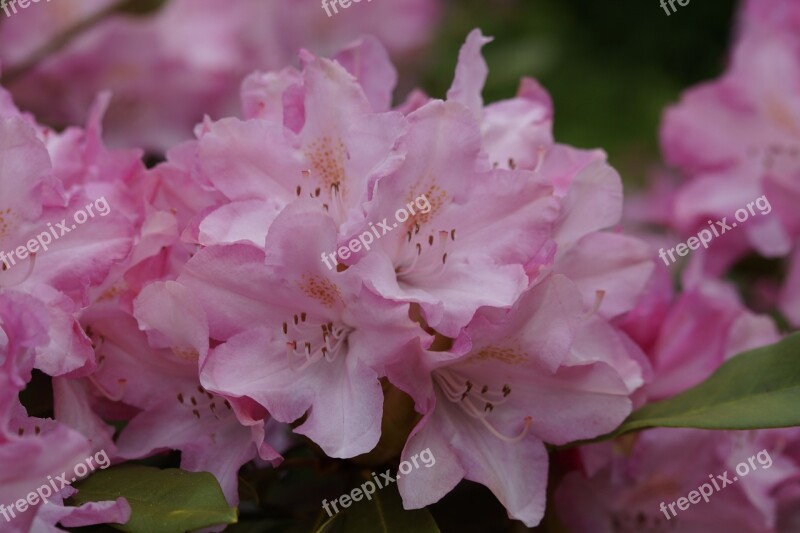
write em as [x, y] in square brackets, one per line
[162, 501]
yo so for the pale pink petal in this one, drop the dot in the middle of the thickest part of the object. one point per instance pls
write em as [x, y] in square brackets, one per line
[369, 62]
[519, 130]
[614, 265]
[88, 514]
[471, 74]
[344, 397]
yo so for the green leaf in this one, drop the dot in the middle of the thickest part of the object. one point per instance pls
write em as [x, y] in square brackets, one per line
[383, 514]
[755, 390]
[162, 501]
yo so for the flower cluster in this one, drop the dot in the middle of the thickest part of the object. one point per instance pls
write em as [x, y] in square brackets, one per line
[200, 311]
[478, 308]
[506, 313]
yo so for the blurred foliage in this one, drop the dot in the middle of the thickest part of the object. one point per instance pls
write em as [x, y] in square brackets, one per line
[610, 67]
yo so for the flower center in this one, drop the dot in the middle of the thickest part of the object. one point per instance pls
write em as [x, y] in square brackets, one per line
[423, 256]
[204, 405]
[307, 343]
[477, 400]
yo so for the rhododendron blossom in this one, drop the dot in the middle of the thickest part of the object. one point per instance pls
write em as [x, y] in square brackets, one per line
[294, 338]
[508, 328]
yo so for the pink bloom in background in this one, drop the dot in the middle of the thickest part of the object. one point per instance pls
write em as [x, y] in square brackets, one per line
[663, 465]
[737, 139]
[687, 336]
[125, 54]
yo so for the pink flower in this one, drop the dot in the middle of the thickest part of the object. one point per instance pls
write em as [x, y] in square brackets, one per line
[330, 146]
[51, 177]
[299, 336]
[157, 380]
[517, 134]
[492, 307]
[737, 139]
[354, 161]
[31, 449]
[195, 77]
[543, 372]
[48, 178]
[485, 228]
[621, 485]
[627, 495]
[551, 368]
[695, 332]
